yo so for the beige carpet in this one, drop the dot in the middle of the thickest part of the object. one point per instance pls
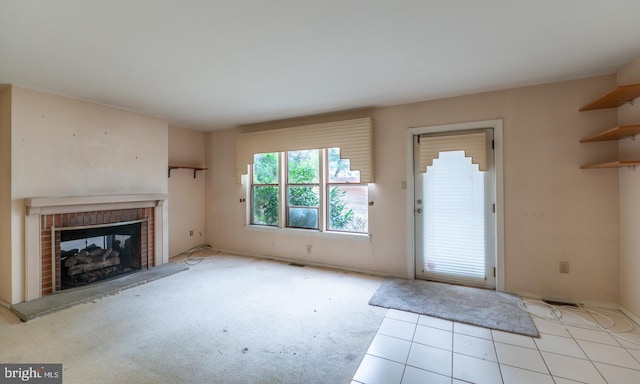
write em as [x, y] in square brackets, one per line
[228, 319]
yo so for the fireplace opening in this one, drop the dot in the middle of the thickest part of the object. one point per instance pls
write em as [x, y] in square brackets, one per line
[94, 253]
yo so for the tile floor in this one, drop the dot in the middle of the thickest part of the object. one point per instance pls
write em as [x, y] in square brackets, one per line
[411, 348]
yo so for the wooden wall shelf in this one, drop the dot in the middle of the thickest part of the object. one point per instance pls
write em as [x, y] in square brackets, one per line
[616, 97]
[616, 133]
[612, 164]
[195, 169]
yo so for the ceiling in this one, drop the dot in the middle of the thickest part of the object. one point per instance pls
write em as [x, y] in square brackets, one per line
[213, 64]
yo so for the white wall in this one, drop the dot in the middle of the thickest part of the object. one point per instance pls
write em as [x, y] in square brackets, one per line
[67, 147]
[186, 194]
[630, 200]
[553, 210]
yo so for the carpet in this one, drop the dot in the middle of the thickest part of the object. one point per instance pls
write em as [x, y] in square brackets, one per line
[48, 304]
[481, 307]
[226, 320]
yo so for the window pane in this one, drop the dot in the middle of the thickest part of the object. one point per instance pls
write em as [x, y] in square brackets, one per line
[339, 169]
[307, 196]
[265, 168]
[265, 205]
[304, 166]
[303, 217]
[348, 208]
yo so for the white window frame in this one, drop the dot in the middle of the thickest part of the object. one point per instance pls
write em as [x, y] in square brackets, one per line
[323, 209]
[285, 179]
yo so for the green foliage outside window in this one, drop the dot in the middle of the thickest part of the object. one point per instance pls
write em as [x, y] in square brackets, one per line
[339, 216]
[265, 168]
[265, 197]
[304, 196]
[303, 168]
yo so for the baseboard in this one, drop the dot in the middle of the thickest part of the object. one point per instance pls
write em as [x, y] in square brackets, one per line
[302, 262]
[600, 304]
[5, 304]
[191, 250]
[529, 295]
[525, 295]
[630, 315]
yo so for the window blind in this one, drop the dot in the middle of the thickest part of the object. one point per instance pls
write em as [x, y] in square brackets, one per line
[354, 137]
[473, 144]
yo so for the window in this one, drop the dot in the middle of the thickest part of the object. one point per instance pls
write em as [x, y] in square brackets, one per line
[303, 189]
[265, 189]
[315, 189]
[348, 199]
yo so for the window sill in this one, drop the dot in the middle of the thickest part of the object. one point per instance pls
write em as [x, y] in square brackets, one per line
[310, 232]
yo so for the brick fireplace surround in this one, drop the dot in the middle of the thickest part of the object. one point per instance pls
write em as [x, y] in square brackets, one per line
[61, 212]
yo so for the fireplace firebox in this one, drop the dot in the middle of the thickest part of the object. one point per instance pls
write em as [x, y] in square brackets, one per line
[83, 233]
[90, 254]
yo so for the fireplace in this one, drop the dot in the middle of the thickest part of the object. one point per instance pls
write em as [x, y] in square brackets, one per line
[75, 241]
[90, 254]
[72, 228]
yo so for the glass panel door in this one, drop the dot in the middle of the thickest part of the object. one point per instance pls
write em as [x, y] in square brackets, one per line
[454, 219]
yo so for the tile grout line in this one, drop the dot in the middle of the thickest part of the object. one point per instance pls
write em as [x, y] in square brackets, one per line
[453, 329]
[493, 342]
[568, 335]
[406, 360]
[582, 349]
[588, 358]
[607, 363]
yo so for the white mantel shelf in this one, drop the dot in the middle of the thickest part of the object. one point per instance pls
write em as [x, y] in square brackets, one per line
[51, 205]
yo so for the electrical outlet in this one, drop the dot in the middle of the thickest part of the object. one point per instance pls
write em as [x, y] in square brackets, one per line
[309, 248]
[564, 267]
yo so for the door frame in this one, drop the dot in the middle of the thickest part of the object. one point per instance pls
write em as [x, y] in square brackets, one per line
[496, 125]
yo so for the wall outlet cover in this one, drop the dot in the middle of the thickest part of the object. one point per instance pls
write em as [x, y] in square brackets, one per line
[564, 267]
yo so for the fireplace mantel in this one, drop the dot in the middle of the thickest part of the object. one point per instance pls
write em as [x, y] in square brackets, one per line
[37, 208]
[51, 205]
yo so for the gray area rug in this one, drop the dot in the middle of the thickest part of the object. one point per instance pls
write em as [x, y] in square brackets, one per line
[482, 307]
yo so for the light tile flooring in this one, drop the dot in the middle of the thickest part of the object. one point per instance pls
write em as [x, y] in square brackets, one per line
[411, 348]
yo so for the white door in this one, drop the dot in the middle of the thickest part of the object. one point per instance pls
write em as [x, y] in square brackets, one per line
[455, 207]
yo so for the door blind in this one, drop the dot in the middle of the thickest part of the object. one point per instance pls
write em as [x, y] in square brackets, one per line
[474, 145]
[454, 219]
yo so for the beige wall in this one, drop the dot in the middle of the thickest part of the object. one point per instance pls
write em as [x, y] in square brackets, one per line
[186, 194]
[67, 147]
[553, 210]
[629, 200]
[5, 193]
